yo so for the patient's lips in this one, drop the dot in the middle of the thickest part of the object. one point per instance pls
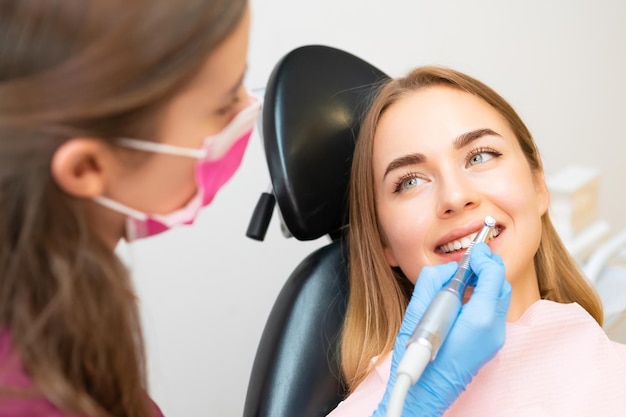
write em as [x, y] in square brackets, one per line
[465, 241]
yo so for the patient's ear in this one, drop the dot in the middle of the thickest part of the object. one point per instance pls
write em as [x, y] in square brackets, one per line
[543, 193]
[78, 167]
[390, 257]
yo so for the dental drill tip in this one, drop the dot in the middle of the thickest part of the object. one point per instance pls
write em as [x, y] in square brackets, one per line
[490, 221]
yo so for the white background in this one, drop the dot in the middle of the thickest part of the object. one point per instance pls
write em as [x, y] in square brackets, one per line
[206, 290]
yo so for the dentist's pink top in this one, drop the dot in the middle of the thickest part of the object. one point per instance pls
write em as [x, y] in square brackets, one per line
[12, 375]
[556, 361]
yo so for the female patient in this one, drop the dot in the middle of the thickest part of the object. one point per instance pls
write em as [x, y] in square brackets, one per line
[439, 151]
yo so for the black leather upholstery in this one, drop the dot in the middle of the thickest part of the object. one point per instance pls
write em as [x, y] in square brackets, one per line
[314, 100]
[296, 371]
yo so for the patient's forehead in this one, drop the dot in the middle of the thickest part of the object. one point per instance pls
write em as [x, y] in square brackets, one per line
[424, 120]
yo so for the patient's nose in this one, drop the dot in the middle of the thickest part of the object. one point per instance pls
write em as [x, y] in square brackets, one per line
[455, 194]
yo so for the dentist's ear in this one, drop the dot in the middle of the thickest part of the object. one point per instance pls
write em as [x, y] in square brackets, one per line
[78, 167]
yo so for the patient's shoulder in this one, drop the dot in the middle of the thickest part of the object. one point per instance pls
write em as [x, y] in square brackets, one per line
[365, 398]
[620, 348]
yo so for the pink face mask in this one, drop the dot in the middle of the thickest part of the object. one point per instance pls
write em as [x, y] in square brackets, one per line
[218, 159]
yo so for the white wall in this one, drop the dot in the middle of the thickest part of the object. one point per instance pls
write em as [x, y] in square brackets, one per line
[206, 290]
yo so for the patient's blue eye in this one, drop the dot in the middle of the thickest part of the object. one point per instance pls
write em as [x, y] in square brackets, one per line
[407, 182]
[478, 158]
[481, 155]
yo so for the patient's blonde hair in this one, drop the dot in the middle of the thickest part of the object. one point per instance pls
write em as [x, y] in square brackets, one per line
[379, 294]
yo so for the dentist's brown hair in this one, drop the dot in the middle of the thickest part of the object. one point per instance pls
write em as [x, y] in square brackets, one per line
[82, 68]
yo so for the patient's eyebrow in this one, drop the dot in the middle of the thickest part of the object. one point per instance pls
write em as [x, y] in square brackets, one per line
[411, 159]
[468, 137]
[460, 142]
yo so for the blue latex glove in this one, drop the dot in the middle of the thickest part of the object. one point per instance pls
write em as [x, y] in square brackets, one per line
[476, 336]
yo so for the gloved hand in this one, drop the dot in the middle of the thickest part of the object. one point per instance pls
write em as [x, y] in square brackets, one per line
[476, 336]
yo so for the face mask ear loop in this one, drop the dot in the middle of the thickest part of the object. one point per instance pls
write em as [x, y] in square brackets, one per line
[120, 208]
[163, 148]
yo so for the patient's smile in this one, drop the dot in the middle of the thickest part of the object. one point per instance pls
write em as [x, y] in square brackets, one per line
[465, 241]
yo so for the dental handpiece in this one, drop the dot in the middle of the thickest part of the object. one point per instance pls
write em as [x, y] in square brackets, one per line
[443, 310]
[434, 327]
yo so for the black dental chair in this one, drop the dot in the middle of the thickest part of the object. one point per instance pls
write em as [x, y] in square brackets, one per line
[314, 101]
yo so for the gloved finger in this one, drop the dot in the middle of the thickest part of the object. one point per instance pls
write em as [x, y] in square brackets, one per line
[429, 282]
[492, 293]
[502, 305]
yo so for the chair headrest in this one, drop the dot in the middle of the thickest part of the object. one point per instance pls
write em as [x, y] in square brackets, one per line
[314, 101]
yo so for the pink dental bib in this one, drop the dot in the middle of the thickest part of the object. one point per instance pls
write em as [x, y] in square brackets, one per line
[556, 361]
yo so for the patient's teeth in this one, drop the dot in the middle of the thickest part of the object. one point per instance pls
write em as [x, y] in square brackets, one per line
[466, 241]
